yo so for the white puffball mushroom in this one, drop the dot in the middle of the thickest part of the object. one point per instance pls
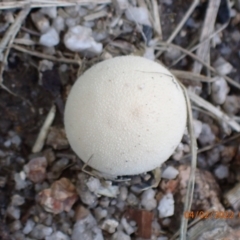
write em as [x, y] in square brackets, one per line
[126, 114]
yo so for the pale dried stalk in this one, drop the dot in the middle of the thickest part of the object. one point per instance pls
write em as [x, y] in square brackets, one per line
[156, 19]
[228, 79]
[12, 31]
[45, 56]
[44, 130]
[6, 42]
[207, 148]
[208, 28]
[217, 112]
[192, 76]
[199, 44]
[49, 3]
[183, 21]
[191, 180]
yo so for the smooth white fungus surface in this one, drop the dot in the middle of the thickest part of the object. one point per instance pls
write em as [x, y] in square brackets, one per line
[126, 114]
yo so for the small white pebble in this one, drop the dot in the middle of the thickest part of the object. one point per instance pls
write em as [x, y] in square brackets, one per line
[232, 105]
[121, 4]
[85, 228]
[138, 15]
[132, 200]
[79, 38]
[7, 143]
[100, 213]
[16, 140]
[123, 193]
[197, 126]
[20, 182]
[109, 225]
[148, 200]
[40, 231]
[58, 236]
[50, 38]
[17, 200]
[120, 235]
[59, 24]
[166, 206]
[28, 226]
[162, 238]
[49, 11]
[127, 227]
[170, 173]
[93, 184]
[13, 212]
[220, 90]
[221, 171]
[178, 154]
[71, 22]
[40, 21]
[206, 137]
[222, 66]
[73, 11]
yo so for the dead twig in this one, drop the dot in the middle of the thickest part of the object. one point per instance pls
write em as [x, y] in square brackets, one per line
[208, 28]
[37, 147]
[191, 181]
[207, 148]
[192, 76]
[6, 43]
[215, 111]
[199, 44]
[180, 25]
[228, 79]
[49, 3]
[45, 56]
[156, 19]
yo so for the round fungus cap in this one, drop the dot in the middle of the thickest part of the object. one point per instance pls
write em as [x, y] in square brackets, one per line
[126, 114]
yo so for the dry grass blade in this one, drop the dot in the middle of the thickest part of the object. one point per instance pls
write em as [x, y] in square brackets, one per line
[217, 112]
[208, 28]
[6, 42]
[207, 148]
[199, 44]
[228, 79]
[48, 3]
[44, 130]
[156, 19]
[191, 180]
[183, 21]
[192, 76]
[45, 56]
[180, 25]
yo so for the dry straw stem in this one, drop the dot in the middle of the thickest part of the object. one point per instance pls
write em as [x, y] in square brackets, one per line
[208, 28]
[9, 37]
[44, 130]
[207, 148]
[180, 25]
[217, 112]
[191, 181]
[228, 79]
[48, 3]
[183, 21]
[6, 43]
[156, 19]
[192, 76]
[45, 56]
[199, 44]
